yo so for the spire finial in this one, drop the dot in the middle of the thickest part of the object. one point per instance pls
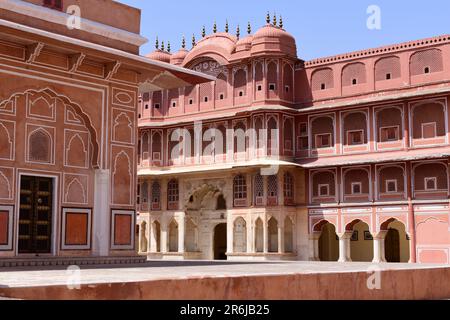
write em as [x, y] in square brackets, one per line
[168, 46]
[214, 27]
[183, 42]
[268, 17]
[238, 32]
[162, 45]
[226, 26]
[193, 40]
[281, 22]
[275, 19]
[249, 28]
[203, 32]
[157, 43]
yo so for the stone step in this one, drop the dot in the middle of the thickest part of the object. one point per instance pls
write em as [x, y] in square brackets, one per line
[68, 261]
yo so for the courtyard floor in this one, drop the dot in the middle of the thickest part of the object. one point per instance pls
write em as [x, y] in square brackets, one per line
[194, 279]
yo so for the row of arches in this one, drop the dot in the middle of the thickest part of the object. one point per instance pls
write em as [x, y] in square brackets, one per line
[392, 243]
[386, 68]
[243, 138]
[272, 79]
[272, 237]
[428, 121]
[428, 180]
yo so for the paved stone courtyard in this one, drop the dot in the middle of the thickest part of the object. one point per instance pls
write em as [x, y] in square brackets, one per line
[171, 270]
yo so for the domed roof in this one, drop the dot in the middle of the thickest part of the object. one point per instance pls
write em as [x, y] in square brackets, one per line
[219, 46]
[273, 39]
[160, 55]
[244, 44]
[178, 57]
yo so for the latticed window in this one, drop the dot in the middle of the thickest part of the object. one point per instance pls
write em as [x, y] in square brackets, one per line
[288, 188]
[240, 190]
[272, 190]
[156, 195]
[259, 190]
[172, 194]
[40, 147]
[144, 192]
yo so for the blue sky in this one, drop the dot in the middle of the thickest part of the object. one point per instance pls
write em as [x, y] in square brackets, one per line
[321, 27]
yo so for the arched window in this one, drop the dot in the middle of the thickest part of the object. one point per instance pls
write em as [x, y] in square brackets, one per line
[144, 146]
[272, 190]
[288, 189]
[240, 191]
[288, 133]
[221, 87]
[144, 192]
[322, 79]
[240, 83]
[259, 190]
[172, 194]
[40, 146]
[156, 196]
[272, 137]
[156, 147]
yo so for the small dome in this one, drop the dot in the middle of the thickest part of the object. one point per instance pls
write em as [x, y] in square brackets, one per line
[178, 57]
[272, 39]
[160, 55]
[244, 44]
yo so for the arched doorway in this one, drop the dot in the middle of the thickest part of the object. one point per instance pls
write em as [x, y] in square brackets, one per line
[273, 235]
[361, 241]
[173, 236]
[259, 235]
[328, 243]
[220, 242]
[392, 246]
[396, 242]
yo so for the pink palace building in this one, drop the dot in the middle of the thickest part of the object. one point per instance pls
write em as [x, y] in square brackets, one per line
[343, 158]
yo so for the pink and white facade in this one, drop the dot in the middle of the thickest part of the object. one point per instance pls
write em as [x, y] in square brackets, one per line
[345, 158]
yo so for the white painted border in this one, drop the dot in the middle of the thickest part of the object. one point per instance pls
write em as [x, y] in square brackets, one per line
[9, 246]
[133, 223]
[57, 17]
[64, 246]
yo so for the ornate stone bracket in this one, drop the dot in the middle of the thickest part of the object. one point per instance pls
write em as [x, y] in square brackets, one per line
[33, 51]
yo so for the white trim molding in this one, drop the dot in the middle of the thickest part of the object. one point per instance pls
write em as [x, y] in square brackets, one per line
[9, 245]
[54, 16]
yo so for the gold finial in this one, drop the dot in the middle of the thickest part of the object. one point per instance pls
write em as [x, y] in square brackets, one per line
[275, 19]
[249, 28]
[203, 31]
[162, 45]
[215, 27]
[268, 17]
[157, 43]
[281, 22]
[193, 40]
[226, 26]
[168, 46]
[238, 32]
[183, 42]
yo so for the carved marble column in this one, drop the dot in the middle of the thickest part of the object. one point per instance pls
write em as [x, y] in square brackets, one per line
[181, 232]
[314, 247]
[101, 215]
[344, 247]
[378, 247]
